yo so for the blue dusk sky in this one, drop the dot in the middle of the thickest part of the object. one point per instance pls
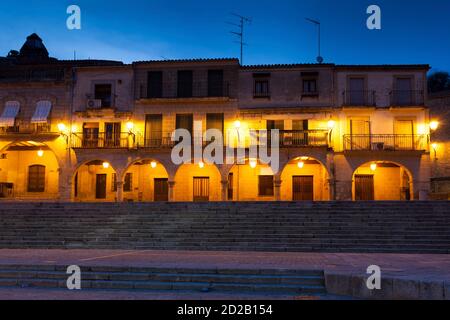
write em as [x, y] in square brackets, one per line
[412, 31]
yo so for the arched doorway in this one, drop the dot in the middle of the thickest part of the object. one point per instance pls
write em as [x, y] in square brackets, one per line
[146, 180]
[382, 181]
[251, 181]
[28, 170]
[197, 182]
[305, 179]
[95, 180]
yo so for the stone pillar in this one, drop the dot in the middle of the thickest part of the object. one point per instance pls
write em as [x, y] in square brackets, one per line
[119, 193]
[332, 189]
[171, 191]
[224, 185]
[344, 190]
[65, 185]
[277, 189]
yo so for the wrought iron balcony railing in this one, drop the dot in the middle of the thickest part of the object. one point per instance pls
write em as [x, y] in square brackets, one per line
[198, 89]
[386, 142]
[359, 98]
[26, 128]
[407, 98]
[103, 140]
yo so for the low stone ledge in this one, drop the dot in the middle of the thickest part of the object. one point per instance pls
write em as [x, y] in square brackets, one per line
[392, 288]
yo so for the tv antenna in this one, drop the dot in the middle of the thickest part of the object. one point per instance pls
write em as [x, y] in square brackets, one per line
[317, 23]
[241, 25]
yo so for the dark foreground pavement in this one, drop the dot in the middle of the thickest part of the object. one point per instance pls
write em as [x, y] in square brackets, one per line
[410, 276]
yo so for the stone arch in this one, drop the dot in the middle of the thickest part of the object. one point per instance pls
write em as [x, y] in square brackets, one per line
[382, 180]
[148, 180]
[187, 175]
[88, 186]
[305, 178]
[17, 157]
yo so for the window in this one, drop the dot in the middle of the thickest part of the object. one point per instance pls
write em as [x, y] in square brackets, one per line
[153, 130]
[265, 186]
[128, 185]
[103, 92]
[155, 84]
[262, 88]
[275, 124]
[261, 85]
[309, 86]
[185, 80]
[36, 178]
[215, 83]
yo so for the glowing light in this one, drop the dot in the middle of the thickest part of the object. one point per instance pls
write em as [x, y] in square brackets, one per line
[304, 158]
[331, 124]
[40, 153]
[253, 164]
[237, 124]
[201, 165]
[153, 164]
[434, 125]
[130, 126]
[421, 129]
[373, 166]
[434, 146]
[301, 164]
[105, 165]
[61, 127]
[74, 128]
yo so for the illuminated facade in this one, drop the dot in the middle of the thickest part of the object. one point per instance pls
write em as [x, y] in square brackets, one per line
[101, 130]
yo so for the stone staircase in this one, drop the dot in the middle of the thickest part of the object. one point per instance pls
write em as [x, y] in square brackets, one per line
[402, 227]
[280, 282]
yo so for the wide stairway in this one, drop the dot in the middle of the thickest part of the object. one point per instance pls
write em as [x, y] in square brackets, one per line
[403, 227]
[284, 282]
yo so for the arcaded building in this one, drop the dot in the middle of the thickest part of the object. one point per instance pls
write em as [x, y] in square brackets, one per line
[100, 130]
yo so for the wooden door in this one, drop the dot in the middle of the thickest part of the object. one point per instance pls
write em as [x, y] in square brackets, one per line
[364, 187]
[161, 189]
[303, 188]
[100, 186]
[201, 189]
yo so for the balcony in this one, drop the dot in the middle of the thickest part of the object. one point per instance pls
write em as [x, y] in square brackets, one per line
[102, 140]
[300, 138]
[156, 140]
[407, 98]
[26, 129]
[359, 98]
[385, 142]
[200, 90]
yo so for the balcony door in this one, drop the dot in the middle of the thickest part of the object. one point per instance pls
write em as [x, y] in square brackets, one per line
[357, 93]
[90, 135]
[360, 134]
[403, 91]
[404, 134]
[153, 130]
[364, 187]
[300, 132]
[112, 134]
[303, 188]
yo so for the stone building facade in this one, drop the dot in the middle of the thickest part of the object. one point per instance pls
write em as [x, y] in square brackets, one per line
[345, 132]
[439, 104]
